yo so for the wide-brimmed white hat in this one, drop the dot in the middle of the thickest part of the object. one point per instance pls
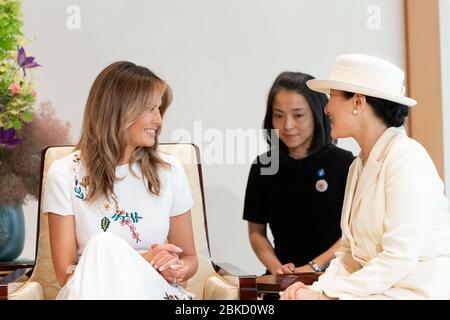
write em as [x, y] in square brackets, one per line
[364, 74]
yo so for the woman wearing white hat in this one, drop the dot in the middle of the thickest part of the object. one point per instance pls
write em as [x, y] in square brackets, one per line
[395, 222]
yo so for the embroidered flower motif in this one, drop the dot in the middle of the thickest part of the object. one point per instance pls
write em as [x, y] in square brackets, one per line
[76, 158]
[105, 224]
[128, 219]
[175, 297]
[106, 209]
[78, 191]
[80, 183]
[124, 218]
[170, 297]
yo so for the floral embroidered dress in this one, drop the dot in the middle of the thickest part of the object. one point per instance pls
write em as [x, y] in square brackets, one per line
[110, 234]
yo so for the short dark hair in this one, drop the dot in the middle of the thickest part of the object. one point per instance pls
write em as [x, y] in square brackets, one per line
[296, 81]
[392, 113]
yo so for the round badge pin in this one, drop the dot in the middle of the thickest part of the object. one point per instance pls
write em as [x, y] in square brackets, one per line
[321, 185]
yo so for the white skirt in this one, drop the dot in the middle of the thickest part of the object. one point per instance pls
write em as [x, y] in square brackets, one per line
[110, 268]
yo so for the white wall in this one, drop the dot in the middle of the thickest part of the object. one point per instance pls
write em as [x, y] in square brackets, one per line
[220, 57]
[444, 19]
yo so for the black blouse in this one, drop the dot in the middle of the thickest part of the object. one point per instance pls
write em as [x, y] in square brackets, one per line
[302, 202]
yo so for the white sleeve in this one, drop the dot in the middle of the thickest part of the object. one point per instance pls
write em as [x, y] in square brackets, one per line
[341, 266]
[182, 197]
[58, 186]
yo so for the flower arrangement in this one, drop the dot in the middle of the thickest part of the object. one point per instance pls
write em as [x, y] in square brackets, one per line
[20, 166]
[17, 94]
[24, 131]
[17, 97]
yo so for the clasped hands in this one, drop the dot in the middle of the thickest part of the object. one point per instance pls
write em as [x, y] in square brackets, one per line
[166, 260]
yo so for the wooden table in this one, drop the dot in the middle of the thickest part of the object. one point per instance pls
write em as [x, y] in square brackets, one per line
[269, 286]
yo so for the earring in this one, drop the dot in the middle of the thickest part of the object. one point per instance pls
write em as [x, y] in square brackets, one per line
[354, 112]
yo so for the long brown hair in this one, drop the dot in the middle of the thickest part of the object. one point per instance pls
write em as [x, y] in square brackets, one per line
[118, 97]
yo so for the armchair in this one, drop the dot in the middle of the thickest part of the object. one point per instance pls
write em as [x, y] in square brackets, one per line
[212, 280]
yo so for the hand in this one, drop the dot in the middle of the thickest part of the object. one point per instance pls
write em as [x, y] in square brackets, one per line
[299, 291]
[305, 268]
[286, 268]
[176, 272]
[162, 256]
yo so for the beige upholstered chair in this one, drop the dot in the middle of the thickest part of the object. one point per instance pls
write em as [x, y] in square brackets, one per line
[211, 280]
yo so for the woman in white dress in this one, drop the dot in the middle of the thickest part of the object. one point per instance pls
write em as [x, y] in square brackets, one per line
[395, 221]
[119, 210]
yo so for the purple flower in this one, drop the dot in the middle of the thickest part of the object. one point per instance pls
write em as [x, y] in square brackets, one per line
[7, 138]
[24, 61]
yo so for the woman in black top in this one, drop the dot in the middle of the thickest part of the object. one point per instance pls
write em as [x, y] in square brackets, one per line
[302, 201]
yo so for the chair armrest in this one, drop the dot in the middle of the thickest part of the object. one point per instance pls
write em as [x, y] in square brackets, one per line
[224, 268]
[274, 283]
[30, 290]
[307, 278]
[247, 282]
[11, 277]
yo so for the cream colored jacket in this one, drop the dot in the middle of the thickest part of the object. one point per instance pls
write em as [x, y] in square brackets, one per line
[395, 227]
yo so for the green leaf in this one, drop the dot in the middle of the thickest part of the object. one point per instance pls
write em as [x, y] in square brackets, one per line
[105, 223]
[10, 22]
[27, 116]
[16, 124]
